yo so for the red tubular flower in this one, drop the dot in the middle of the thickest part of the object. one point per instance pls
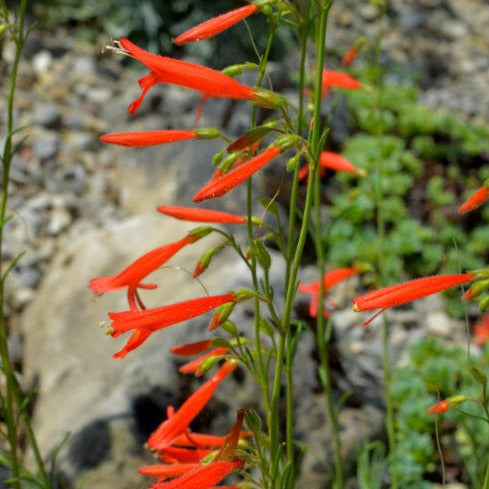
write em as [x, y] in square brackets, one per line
[349, 56]
[201, 440]
[207, 81]
[132, 276]
[191, 348]
[167, 471]
[439, 408]
[148, 321]
[396, 295]
[194, 365]
[214, 26]
[332, 161]
[181, 455]
[329, 279]
[178, 424]
[203, 476]
[481, 331]
[475, 200]
[161, 317]
[223, 184]
[445, 405]
[200, 215]
[338, 79]
[148, 138]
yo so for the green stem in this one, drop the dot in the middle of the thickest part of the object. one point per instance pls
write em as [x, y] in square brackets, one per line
[292, 278]
[485, 485]
[12, 398]
[322, 342]
[289, 428]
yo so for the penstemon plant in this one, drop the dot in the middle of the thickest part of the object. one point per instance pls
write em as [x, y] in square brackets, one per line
[295, 135]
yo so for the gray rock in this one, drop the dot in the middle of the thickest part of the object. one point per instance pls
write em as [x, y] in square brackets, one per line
[47, 115]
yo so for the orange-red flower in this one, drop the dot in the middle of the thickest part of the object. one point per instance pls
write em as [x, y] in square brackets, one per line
[339, 79]
[446, 404]
[331, 161]
[194, 365]
[190, 349]
[148, 138]
[439, 408]
[223, 184]
[481, 331]
[398, 294]
[200, 215]
[148, 321]
[475, 200]
[203, 476]
[329, 279]
[209, 82]
[216, 25]
[349, 56]
[178, 424]
[132, 276]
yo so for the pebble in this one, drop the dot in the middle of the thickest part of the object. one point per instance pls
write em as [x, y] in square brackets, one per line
[47, 115]
[42, 61]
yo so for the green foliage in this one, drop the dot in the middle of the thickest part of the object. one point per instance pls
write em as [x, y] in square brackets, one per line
[420, 166]
[437, 371]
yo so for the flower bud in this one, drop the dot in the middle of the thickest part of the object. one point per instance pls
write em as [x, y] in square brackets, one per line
[261, 254]
[478, 374]
[293, 162]
[242, 295]
[230, 328]
[207, 133]
[221, 315]
[236, 70]
[449, 403]
[204, 261]
[201, 231]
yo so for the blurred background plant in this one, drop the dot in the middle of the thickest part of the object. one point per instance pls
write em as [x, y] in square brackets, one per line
[431, 161]
[436, 371]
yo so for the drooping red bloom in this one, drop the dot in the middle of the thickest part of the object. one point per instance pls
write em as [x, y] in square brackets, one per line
[209, 82]
[475, 200]
[329, 279]
[148, 138]
[148, 321]
[132, 276]
[200, 215]
[398, 294]
[481, 331]
[223, 184]
[216, 25]
[178, 424]
[203, 476]
[331, 161]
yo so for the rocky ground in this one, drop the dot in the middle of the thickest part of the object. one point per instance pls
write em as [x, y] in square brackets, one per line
[81, 208]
